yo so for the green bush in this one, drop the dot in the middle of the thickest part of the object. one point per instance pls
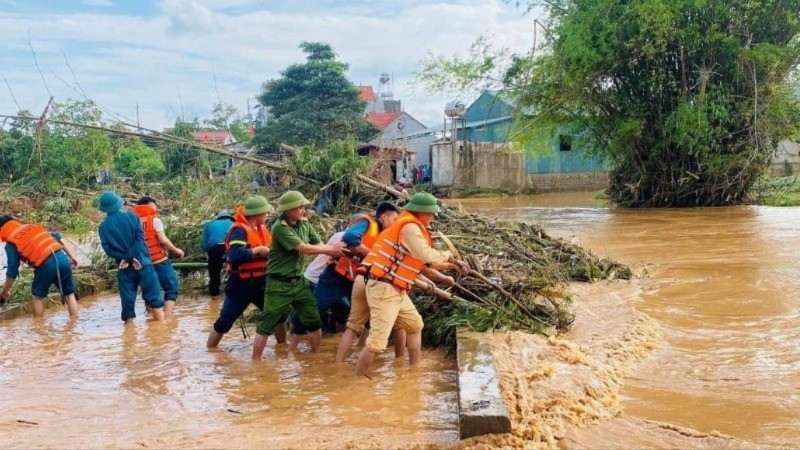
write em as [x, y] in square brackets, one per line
[140, 162]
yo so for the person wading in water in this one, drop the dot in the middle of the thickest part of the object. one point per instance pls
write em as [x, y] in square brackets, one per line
[287, 289]
[158, 244]
[360, 236]
[402, 254]
[51, 260]
[213, 243]
[122, 238]
[248, 243]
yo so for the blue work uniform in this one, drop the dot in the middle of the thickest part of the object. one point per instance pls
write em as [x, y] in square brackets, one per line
[122, 238]
[55, 270]
[213, 244]
[215, 231]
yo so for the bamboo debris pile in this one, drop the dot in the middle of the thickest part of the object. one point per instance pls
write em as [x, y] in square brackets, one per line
[519, 273]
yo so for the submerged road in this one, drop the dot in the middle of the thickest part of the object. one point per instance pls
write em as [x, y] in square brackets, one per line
[96, 383]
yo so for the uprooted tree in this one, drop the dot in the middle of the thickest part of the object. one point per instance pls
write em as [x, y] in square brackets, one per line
[686, 99]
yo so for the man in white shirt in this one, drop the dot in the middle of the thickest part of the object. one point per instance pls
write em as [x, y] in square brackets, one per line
[318, 265]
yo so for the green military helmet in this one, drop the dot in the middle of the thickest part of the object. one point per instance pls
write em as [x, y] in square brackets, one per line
[423, 202]
[291, 200]
[257, 205]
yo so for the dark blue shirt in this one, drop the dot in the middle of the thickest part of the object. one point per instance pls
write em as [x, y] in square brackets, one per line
[239, 253]
[14, 259]
[214, 232]
[122, 237]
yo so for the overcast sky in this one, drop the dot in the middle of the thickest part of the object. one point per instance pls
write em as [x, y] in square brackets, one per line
[156, 52]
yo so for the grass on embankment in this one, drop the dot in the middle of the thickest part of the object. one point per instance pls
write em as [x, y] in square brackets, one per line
[777, 191]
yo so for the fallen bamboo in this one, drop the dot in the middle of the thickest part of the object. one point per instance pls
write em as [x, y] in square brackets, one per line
[379, 185]
[474, 273]
[190, 265]
[432, 289]
[158, 136]
[220, 151]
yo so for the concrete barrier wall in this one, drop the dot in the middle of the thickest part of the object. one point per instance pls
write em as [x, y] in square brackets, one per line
[786, 160]
[562, 182]
[479, 164]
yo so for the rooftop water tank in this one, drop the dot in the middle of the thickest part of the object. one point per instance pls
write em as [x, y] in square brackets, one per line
[455, 109]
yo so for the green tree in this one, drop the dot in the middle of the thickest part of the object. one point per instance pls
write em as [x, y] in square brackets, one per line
[686, 99]
[187, 161]
[70, 156]
[139, 162]
[225, 116]
[312, 103]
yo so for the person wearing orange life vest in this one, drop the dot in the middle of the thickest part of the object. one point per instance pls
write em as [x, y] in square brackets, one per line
[402, 254]
[160, 247]
[359, 239]
[335, 284]
[52, 262]
[248, 245]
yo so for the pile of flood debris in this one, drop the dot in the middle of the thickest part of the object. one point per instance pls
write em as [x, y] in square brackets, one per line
[517, 281]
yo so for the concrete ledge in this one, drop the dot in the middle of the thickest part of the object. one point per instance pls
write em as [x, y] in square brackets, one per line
[8, 312]
[480, 403]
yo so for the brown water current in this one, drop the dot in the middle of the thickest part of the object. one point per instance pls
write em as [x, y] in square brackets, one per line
[722, 286]
[96, 383]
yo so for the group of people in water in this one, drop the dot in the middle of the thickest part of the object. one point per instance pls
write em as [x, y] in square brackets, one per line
[358, 282]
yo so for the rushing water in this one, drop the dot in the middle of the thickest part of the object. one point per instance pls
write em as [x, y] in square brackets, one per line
[96, 383]
[724, 284]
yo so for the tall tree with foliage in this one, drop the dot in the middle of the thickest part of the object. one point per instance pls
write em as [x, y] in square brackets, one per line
[312, 103]
[225, 116]
[70, 156]
[687, 99]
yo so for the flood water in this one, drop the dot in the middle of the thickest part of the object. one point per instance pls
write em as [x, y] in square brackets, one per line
[97, 383]
[724, 285]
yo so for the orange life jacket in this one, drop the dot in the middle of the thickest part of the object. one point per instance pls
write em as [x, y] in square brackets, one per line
[389, 261]
[34, 243]
[347, 266]
[146, 214]
[256, 267]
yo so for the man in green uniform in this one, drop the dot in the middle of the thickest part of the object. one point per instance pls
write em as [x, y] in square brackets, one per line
[287, 289]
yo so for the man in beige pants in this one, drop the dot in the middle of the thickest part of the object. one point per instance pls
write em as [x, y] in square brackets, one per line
[402, 254]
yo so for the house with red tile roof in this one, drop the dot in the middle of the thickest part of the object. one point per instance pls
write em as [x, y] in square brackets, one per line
[366, 93]
[220, 138]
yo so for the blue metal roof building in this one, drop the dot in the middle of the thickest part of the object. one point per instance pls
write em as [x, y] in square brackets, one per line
[490, 118]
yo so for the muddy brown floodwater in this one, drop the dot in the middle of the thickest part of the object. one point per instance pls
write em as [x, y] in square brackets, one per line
[724, 286]
[704, 346]
[96, 383]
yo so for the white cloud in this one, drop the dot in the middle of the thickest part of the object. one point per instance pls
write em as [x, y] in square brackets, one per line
[190, 16]
[120, 59]
[102, 3]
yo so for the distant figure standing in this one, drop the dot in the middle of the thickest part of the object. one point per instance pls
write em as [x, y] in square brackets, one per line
[44, 251]
[159, 246]
[122, 238]
[214, 247]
